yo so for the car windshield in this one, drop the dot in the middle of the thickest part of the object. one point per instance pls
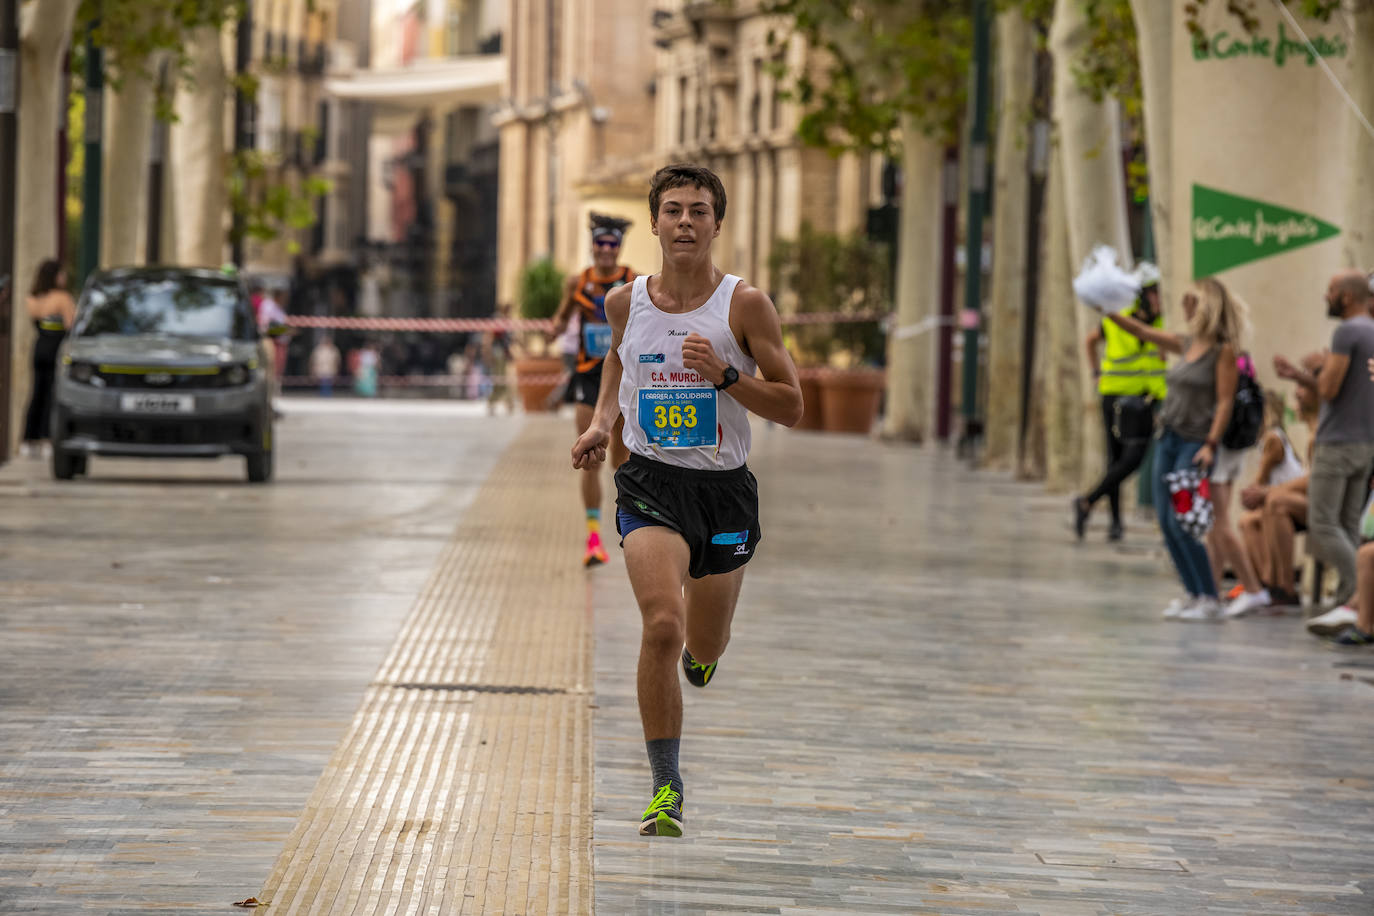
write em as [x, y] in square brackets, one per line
[178, 306]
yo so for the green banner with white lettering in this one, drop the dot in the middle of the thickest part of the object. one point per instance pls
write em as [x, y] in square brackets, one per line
[1229, 230]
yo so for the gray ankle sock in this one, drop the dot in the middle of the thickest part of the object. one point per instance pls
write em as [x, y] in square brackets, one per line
[663, 761]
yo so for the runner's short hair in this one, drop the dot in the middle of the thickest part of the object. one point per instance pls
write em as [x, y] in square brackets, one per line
[681, 175]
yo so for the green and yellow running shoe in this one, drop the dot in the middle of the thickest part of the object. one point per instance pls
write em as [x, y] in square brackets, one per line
[698, 675]
[663, 817]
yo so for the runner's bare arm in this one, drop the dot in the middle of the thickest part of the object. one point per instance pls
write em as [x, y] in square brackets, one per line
[1148, 333]
[590, 449]
[777, 394]
[565, 308]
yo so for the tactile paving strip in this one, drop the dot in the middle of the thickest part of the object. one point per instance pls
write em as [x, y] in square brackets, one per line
[464, 784]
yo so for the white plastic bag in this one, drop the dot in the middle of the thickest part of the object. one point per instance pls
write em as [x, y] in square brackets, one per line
[1102, 283]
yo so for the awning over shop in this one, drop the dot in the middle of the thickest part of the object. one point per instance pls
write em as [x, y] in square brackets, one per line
[446, 83]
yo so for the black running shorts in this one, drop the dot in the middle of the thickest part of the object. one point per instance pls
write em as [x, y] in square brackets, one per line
[585, 386]
[716, 512]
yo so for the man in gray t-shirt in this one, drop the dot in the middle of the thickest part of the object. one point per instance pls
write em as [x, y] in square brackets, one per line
[1344, 454]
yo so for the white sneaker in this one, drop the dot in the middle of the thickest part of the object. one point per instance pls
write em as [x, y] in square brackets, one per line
[1203, 610]
[1246, 603]
[1178, 606]
[1333, 621]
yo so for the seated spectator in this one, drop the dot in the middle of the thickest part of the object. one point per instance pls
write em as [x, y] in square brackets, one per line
[1279, 465]
[1276, 503]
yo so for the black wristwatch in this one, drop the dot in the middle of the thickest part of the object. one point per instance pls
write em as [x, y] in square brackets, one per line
[730, 376]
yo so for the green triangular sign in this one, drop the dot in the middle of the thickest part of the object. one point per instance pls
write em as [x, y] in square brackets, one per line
[1229, 230]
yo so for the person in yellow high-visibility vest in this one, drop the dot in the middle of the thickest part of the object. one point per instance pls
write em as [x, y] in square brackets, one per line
[1130, 379]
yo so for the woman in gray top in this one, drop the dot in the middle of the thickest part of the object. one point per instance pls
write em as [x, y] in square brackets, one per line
[1196, 410]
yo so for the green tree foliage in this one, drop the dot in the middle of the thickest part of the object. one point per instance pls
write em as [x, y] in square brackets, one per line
[883, 58]
[132, 33]
[268, 203]
[888, 57]
[541, 288]
[825, 272]
[1110, 63]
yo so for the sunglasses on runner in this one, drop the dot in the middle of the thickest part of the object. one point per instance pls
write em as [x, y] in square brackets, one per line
[606, 243]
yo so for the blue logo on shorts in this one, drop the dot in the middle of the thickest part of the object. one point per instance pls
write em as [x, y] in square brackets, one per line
[651, 357]
[731, 537]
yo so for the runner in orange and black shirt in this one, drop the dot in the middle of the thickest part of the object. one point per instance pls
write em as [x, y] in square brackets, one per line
[585, 295]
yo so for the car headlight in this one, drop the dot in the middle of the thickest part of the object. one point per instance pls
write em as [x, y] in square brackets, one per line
[81, 372]
[236, 375]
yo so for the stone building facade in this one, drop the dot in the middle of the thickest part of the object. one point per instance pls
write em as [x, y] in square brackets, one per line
[720, 103]
[576, 131]
[603, 92]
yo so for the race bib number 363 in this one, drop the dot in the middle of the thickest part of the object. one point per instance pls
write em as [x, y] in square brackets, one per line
[678, 417]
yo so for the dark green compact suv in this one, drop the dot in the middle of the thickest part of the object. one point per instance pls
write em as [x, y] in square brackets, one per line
[163, 363]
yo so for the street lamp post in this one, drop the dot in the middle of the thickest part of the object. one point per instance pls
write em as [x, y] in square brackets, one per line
[243, 114]
[977, 201]
[90, 180]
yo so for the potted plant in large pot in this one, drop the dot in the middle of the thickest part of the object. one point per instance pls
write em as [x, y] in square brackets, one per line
[537, 371]
[839, 362]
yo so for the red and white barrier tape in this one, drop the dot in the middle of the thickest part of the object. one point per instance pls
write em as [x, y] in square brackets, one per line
[461, 325]
[462, 381]
[417, 381]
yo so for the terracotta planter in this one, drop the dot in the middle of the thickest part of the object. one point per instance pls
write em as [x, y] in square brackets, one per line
[535, 379]
[811, 400]
[850, 399]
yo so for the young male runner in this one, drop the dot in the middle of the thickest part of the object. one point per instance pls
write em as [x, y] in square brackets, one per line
[585, 296]
[681, 370]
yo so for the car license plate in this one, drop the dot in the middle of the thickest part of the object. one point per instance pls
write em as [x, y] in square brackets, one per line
[157, 403]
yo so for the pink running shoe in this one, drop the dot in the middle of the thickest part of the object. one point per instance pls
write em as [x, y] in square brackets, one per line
[596, 554]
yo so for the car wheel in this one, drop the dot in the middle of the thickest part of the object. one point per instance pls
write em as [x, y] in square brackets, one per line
[63, 464]
[260, 466]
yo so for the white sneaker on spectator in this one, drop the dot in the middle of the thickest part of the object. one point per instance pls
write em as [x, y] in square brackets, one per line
[1204, 610]
[1178, 606]
[1333, 621]
[1247, 603]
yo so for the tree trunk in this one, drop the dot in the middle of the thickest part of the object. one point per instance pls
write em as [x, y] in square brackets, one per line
[1358, 246]
[1154, 40]
[197, 157]
[42, 43]
[911, 345]
[1016, 65]
[1094, 188]
[1061, 374]
[129, 136]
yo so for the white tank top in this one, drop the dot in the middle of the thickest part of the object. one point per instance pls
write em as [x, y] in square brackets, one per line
[1290, 468]
[672, 414]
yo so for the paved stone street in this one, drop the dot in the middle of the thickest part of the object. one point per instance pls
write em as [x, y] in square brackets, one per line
[382, 684]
